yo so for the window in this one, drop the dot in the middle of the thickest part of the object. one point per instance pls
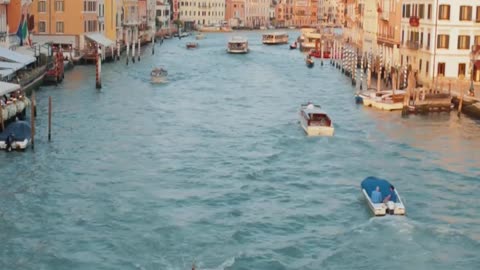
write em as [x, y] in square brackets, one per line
[477, 40]
[428, 41]
[444, 12]
[59, 5]
[42, 27]
[427, 66]
[462, 67]
[465, 13]
[407, 12]
[89, 6]
[404, 13]
[421, 11]
[90, 26]
[429, 11]
[441, 69]
[442, 41]
[463, 42]
[42, 6]
[478, 14]
[59, 27]
[420, 65]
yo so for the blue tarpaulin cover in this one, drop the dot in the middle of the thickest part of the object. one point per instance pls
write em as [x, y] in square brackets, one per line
[371, 182]
[20, 129]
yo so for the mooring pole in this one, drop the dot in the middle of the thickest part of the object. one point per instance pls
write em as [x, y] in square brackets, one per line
[98, 79]
[138, 53]
[49, 118]
[32, 119]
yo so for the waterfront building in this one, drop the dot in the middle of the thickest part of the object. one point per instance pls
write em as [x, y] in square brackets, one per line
[327, 11]
[368, 29]
[257, 13]
[437, 37]
[353, 25]
[305, 12]
[202, 13]
[162, 14]
[388, 35]
[110, 19]
[283, 13]
[4, 29]
[130, 22]
[146, 16]
[235, 13]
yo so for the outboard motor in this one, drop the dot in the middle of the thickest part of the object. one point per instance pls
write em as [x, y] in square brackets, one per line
[391, 207]
[9, 142]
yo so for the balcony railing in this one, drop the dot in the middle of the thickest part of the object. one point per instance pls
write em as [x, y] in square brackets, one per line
[413, 45]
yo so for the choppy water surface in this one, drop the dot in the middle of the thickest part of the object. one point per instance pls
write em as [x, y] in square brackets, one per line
[213, 167]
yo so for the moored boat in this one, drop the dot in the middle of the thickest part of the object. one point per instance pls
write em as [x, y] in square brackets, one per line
[384, 100]
[192, 45]
[17, 136]
[237, 45]
[314, 121]
[159, 75]
[394, 204]
[275, 38]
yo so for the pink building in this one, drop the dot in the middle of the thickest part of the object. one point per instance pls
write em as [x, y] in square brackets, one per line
[142, 14]
[235, 12]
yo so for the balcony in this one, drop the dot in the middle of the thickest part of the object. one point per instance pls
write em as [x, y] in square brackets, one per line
[413, 44]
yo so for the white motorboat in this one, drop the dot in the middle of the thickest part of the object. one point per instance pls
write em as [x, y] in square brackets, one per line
[314, 121]
[237, 45]
[16, 136]
[199, 36]
[394, 206]
[159, 75]
[384, 100]
[275, 38]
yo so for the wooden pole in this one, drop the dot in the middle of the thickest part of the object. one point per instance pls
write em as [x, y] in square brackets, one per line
[49, 118]
[128, 51]
[461, 101]
[138, 53]
[98, 65]
[321, 54]
[32, 119]
[153, 44]
[133, 49]
[1, 119]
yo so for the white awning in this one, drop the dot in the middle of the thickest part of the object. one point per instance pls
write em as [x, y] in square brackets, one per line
[6, 72]
[10, 65]
[100, 39]
[6, 88]
[13, 56]
[44, 39]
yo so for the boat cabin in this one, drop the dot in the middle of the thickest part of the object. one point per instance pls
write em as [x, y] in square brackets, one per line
[314, 116]
[275, 38]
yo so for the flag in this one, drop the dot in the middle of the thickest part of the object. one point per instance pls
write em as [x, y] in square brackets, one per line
[20, 32]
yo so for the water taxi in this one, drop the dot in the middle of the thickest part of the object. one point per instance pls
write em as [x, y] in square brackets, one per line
[159, 75]
[16, 136]
[384, 100]
[275, 38]
[314, 121]
[237, 45]
[380, 208]
[310, 39]
[192, 45]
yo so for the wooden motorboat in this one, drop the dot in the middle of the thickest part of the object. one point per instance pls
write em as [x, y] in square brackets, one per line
[394, 206]
[237, 45]
[17, 136]
[159, 75]
[314, 121]
[192, 45]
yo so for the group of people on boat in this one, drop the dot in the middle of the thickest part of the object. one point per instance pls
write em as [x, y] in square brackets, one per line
[377, 195]
[11, 97]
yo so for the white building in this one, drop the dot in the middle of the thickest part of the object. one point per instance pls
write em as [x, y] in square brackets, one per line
[437, 37]
[3, 25]
[101, 15]
[201, 12]
[163, 14]
[257, 13]
[370, 26]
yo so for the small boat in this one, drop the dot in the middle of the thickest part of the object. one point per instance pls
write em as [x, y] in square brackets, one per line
[314, 121]
[192, 45]
[237, 45]
[383, 100]
[292, 27]
[309, 62]
[293, 46]
[199, 36]
[159, 75]
[275, 38]
[396, 207]
[16, 136]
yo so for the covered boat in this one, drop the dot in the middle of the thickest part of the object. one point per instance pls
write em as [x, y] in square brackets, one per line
[314, 121]
[16, 136]
[159, 75]
[275, 38]
[237, 45]
[379, 208]
[192, 45]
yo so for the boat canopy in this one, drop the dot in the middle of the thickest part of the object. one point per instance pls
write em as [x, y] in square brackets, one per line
[370, 184]
[313, 109]
[275, 34]
[100, 39]
[6, 88]
[20, 129]
[238, 40]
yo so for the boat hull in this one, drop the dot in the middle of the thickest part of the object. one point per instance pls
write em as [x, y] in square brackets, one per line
[316, 130]
[387, 106]
[279, 42]
[381, 209]
[16, 145]
[237, 51]
[158, 79]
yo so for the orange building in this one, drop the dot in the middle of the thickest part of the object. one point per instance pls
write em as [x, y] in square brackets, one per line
[235, 12]
[283, 13]
[15, 13]
[64, 22]
[305, 12]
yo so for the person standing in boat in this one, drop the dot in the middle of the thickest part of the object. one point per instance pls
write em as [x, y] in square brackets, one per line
[376, 195]
[391, 196]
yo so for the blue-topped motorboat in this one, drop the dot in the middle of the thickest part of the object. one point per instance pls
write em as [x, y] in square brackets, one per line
[394, 206]
[16, 136]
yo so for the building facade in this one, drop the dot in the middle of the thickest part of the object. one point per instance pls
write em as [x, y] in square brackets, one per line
[202, 13]
[305, 12]
[284, 13]
[110, 19]
[4, 30]
[235, 13]
[437, 37]
[388, 35]
[257, 13]
[162, 14]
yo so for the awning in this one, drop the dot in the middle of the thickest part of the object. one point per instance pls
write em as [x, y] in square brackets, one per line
[100, 39]
[13, 56]
[6, 88]
[55, 39]
[10, 65]
[6, 72]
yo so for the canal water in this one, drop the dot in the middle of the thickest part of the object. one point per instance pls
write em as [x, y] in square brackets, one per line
[213, 167]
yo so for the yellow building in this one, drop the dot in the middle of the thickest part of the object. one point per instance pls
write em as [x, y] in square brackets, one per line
[69, 23]
[111, 19]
